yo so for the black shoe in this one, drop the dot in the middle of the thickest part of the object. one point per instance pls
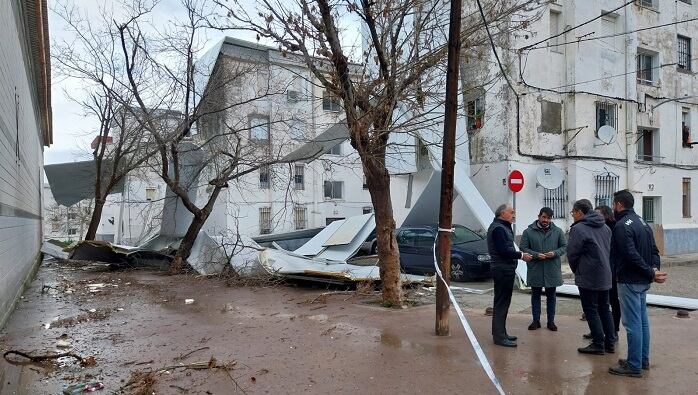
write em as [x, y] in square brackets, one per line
[624, 362]
[505, 343]
[624, 370]
[552, 326]
[587, 336]
[592, 349]
[610, 349]
[512, 338]
[534, 325]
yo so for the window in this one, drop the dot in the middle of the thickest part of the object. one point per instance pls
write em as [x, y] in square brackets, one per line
[686, 198]
[259, 128]
[333, 189]
[648, 3]
[606, 114]
[461, 235]
[299, 217]
[367, 209]
[686, 127]
[72, 216]
[264, 220]
[684, 52]
[555, 18]
[416, 238]
[296, 130]
[606, 185]
[365, 183]
[329, 220]
[556, 199]
[55, 226]
[685, 1]
[72, 231]
[475, 110]
[648, 209]
[551, 117]
[608, 31]
[150, 194]
[330, 102]
[647, 147]
[264, 177]
[299, 177]
[336, 150]
[646, 64]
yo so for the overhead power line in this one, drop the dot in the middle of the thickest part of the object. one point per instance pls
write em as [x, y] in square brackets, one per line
[578, 26]
[580, 40]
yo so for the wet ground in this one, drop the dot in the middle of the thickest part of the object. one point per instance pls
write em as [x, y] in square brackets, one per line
[285, 339]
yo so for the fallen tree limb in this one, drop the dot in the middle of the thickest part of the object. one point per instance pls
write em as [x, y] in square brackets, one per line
[183, 356]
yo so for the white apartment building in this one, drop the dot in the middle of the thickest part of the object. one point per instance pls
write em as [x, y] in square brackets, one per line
[289, 108]
[631, 67]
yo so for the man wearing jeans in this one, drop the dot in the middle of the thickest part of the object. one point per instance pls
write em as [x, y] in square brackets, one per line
[588, 256]
[636, 259]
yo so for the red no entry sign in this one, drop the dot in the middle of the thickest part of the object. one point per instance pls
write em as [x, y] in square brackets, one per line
[516, 181]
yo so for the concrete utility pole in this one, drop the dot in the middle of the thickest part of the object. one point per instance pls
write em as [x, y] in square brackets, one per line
[448, 163]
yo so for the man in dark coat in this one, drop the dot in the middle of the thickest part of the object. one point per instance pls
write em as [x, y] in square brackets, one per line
[588, 253]
[500, 243]
[546, 243]
[635, 256]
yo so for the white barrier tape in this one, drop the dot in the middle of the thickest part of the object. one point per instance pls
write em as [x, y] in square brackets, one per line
[469, 331]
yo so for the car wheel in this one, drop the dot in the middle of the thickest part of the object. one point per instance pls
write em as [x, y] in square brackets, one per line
[374, 248]
[458, 271]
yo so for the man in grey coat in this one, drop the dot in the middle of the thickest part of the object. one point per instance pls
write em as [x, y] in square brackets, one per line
[588, 254]
[546, 243]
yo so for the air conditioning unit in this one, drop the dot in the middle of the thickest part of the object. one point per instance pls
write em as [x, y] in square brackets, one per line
[293, 96]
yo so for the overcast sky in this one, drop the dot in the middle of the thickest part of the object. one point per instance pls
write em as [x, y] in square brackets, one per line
[72, 131]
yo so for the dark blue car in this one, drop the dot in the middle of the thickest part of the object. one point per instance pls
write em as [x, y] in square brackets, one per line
[469, 256]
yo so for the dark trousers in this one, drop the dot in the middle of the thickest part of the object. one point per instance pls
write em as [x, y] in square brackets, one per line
[549, 303]
[615, 305]
[503, 286]
[598, 314]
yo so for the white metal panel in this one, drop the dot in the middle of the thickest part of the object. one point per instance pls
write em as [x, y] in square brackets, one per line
[344, 252]
[348, 231]
[315, 245]
[654, 300]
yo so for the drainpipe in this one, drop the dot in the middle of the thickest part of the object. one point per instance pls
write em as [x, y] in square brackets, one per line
[630, 149]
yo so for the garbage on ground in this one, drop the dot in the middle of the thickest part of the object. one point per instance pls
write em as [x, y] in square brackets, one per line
[188, 301]
[91, 386]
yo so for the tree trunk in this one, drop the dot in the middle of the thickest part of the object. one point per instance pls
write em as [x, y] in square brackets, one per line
[95, 219]
[378, 181]
[188, 242]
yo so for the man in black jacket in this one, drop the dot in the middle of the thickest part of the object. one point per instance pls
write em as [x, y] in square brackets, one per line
[588, 253]
[636, 259]
[500, 243]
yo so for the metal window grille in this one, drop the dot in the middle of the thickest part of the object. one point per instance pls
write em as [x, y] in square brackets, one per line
[606, 114]
[648, 209]
[644, 68]
[300, 217]
[264, 220]
[686, 198]
[150, 194]
[606, 185]
[264, 177]
[259, 128]
[683, 48]
[556, 199]
[475, 111]
[299, 177]
[647, 3]
[367, 209]
[554, 30]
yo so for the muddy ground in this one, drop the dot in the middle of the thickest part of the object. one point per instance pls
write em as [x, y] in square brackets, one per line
[298, 339]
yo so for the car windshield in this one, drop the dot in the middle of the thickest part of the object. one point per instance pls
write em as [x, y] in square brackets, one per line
[462, 235]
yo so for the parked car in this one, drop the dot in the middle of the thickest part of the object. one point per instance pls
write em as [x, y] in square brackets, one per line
[469, 256]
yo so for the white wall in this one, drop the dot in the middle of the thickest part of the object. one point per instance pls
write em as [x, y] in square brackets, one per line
[21, 157]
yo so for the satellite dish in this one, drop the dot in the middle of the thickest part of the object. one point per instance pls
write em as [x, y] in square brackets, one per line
[606, 133]
[549, 176]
